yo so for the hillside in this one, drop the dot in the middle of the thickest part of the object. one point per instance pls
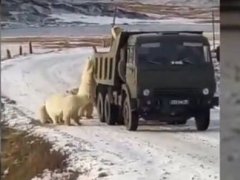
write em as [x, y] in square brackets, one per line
[34, 13]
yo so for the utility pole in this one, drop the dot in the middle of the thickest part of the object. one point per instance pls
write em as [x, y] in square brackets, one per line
[213, 28]
[114, 19]
[114, 15]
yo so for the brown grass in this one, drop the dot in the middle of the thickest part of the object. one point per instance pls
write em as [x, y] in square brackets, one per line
[53, 39]
[73, 43]
[49, 44]
[170, 10]
[26, 156]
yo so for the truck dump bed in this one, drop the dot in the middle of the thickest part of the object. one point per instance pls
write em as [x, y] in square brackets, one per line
[106, 62]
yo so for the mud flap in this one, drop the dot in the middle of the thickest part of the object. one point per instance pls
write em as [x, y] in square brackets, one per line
[133, 104]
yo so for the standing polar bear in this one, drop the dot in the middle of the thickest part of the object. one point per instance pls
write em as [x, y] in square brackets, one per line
[87, 110]
[67, 107]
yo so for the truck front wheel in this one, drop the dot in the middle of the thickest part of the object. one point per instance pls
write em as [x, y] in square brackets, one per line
[202, 120]
[130, 117]
[100, 107]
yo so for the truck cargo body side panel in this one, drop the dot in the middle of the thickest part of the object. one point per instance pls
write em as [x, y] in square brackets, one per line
[105, 67]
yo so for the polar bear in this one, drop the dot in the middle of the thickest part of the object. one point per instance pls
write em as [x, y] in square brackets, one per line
[67, 107]
[50, 112]
[43, 115]
[72, 91]
[87, 110]
[54, 107]
[72, 107]
[63, 108]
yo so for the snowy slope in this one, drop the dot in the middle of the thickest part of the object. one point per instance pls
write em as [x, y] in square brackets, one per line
[35, 13]
[21, 13]
[153, 152]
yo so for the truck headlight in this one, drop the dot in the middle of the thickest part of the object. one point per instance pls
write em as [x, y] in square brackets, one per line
[205, 91]
[146, 92]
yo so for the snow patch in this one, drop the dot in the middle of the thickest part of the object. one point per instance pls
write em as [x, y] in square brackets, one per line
[49, 175]
[77, 149]
[103, 20]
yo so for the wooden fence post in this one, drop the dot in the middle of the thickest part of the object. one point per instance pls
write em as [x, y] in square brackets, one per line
[20, 51]
[30, 47]
[9, 54]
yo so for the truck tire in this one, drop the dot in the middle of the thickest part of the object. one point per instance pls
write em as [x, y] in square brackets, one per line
[110, 111]
[120, 118]
[130, 117]
[203, 120]
[100, 107]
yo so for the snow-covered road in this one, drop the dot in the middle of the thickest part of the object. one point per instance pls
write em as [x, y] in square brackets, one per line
[153, 152]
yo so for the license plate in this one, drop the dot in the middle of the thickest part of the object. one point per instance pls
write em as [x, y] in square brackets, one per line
[179, 102]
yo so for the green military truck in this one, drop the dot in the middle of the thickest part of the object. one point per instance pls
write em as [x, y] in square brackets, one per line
[166, 76]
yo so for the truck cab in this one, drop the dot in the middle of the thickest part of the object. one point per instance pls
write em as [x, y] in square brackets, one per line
[165, 76]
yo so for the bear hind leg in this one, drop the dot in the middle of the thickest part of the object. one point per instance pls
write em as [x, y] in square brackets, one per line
[67, 120]
[77, 120]
[60, 120]
[89, 110]
[55, 120]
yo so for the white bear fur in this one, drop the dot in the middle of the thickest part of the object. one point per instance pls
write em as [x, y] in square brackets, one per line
[43, 115]
[67, 107]
[87, 110]
[54, 107]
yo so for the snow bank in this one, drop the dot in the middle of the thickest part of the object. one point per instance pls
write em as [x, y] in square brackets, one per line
[75, 148]
[103, 20]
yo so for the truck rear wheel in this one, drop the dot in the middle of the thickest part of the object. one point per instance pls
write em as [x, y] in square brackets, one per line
[120, 117]
[130, 117]
[100, 107]
[203, 120]
[110, 111]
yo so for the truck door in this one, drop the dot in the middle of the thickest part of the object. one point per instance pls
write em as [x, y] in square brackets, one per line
[131, 71]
